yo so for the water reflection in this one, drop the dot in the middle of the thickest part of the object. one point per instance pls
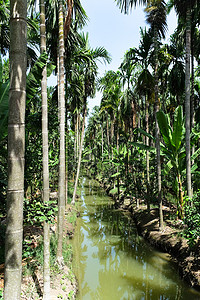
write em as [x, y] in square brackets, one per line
[112, 261]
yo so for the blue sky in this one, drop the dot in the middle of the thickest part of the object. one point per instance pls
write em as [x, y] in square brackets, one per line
[115, 31]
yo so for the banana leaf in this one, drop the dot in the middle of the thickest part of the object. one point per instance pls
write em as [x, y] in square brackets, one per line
[165, 128]
[178, 127]
[168, 167]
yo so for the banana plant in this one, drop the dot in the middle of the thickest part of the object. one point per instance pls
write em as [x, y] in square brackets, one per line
[173, 149]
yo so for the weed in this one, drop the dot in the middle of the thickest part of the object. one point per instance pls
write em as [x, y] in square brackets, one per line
[67, 251]
[64, 288]
[70, 295]
[70, 275]
[72, 218]
[1, 294]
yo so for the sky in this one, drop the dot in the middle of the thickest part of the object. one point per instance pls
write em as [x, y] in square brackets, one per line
[117, 32]
[110, 28]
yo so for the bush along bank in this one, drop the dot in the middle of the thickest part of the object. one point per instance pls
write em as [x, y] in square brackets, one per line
[63, 282]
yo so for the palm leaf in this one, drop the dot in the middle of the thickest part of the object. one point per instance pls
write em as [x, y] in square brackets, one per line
[195, 155]
[143, 146]
[145, 133]
[35, 76]
[125, 5]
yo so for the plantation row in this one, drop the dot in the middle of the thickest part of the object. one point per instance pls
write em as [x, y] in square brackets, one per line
[143, 140]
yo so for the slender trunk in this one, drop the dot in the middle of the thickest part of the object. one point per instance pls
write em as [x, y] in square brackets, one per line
[157, 133]
[16, 149]
[75, 136]
[66, 172]
[111, 137]
[46, 249]
[187, 101]
[147, 153]
[180, 204]
[117, 137]
[102, 142]
[108, 138]
[62, 174]
[58, 83]
[78, 133]
[80, 154]
[192, 100]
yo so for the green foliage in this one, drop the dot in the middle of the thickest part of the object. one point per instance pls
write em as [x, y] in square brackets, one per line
[34, 77]
[36, 212]
[192, 218]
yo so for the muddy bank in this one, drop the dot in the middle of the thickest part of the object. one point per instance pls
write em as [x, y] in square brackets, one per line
[168, 240]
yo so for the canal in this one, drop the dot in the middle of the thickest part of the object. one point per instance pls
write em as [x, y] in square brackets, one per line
[112, 262]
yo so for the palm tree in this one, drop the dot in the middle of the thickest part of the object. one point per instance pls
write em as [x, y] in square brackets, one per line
[62, 32]
[45, 157]
[144, 87]
[16, 147]
[61, 101]
[126, 5]
[183, 9]
[88, 72]
[156, 17]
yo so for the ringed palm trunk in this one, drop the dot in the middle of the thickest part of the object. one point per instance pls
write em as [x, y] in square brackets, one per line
[80, 153]
[46, 249]
[16, 148]
[62, 186]
[187, 101]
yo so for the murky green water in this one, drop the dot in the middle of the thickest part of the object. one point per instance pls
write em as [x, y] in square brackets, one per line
[111, 261]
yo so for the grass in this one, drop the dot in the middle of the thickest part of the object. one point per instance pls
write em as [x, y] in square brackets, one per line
[72, 217]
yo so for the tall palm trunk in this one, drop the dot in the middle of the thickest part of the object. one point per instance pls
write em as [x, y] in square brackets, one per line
[147, 153]
[80, 152]
[157, 133]
[102, 141]
[46, 249]
[187, 101]
[16, 148]
[108, 136]
[62, 186]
